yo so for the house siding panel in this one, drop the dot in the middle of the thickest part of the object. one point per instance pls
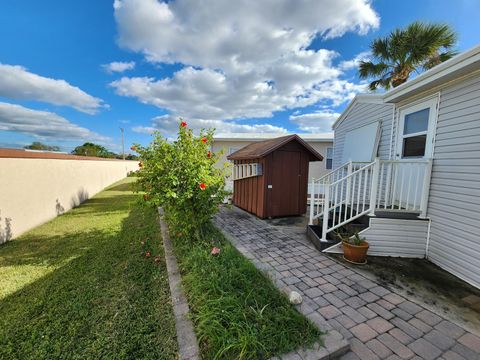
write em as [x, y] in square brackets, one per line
[363, 114]
[396, 237]
[454, 203]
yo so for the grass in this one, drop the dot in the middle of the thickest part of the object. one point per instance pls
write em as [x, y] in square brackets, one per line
[237, 311]
[79, 287]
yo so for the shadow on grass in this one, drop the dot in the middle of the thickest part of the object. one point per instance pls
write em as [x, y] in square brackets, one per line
[96, 295]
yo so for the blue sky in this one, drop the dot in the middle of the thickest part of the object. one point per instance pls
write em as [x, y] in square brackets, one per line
[255, 67]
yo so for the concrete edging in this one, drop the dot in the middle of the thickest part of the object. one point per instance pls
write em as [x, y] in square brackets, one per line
[187, 340]
[335, 345]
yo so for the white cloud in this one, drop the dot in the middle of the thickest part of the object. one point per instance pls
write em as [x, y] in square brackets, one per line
[118, 66]
[317, 122]
[241, 34]
[168, 126]
[353, 63]
[43, 124]
[16, 82]
[246, 59]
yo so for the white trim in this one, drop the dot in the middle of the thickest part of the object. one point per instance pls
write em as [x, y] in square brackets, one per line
[432, 103]
[468, 58]
[427, 243]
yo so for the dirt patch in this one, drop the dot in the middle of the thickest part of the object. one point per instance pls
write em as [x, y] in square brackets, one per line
[426, 283]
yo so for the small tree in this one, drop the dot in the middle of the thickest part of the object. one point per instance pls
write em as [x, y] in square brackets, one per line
[37, 145]
[91, 149]
[403, 51]
[181, 176]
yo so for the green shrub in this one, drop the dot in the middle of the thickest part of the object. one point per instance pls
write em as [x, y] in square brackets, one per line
[181, 176]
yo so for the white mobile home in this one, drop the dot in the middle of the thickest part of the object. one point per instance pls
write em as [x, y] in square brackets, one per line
[410, 160]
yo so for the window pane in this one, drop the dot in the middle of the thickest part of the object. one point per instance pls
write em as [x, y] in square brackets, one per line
[416, 122]
[329, 152]
[414, 146]
[329, 163]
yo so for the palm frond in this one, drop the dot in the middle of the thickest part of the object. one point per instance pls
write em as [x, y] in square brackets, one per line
[384, 82]
[381, 49]
[438, 58]
[368, 69]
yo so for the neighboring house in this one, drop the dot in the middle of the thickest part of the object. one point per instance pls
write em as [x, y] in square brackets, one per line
[322, 143]
[418, 176]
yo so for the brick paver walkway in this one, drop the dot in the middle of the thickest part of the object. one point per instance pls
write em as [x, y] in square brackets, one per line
[378, 323]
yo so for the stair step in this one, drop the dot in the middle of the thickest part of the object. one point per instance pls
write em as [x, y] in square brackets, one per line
[314, 234]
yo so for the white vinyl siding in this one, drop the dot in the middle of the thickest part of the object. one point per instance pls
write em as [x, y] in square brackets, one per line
[396, 237]
[362, 114]
[454, 203]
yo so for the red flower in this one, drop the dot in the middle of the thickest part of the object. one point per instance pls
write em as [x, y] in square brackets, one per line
[147, 254]
[215, 251]
[209, 154]
[204, 140]
[133, 148]
[202, 186]
[183, 124]
[146, 197]
[140, 164]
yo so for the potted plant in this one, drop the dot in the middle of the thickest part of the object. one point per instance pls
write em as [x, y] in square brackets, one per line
[355, 248]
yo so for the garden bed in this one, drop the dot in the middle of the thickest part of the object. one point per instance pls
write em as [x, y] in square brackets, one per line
[237, 311]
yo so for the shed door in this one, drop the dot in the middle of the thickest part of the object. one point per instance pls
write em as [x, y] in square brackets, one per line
[286, 183]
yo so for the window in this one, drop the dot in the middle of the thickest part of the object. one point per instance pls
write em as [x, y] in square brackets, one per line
[415, 129]
[329, 158]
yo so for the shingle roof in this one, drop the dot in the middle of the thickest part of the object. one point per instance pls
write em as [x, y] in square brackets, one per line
[263, 148]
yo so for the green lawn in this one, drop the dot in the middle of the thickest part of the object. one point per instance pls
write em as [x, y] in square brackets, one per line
[79, 287]
[237, 311]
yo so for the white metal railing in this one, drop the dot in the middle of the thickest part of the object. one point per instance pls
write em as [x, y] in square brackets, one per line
[242, 171]
[357, 189]
[318, 186]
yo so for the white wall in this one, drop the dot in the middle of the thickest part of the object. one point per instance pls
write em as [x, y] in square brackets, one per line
[33, 191]
[396, 237]
[454, 202]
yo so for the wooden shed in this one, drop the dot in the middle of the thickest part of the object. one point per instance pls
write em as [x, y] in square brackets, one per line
[270, 178]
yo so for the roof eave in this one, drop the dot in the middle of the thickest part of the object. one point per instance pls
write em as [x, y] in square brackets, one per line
[460, 65]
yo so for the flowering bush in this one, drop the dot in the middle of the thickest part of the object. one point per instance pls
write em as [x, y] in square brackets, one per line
[182, 177]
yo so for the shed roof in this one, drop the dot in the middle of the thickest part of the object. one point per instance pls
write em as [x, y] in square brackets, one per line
[263, 148]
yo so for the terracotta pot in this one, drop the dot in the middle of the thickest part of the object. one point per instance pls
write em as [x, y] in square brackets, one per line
[356, 254]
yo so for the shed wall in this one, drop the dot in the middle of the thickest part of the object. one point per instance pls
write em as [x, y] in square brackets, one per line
[249, 193]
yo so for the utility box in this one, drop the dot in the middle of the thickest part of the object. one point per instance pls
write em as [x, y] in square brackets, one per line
[270, 178]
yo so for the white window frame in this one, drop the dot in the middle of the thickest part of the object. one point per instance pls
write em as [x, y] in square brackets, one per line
[431, 104]
[326, 157]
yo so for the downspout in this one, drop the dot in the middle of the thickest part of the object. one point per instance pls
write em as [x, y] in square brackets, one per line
[428, 238]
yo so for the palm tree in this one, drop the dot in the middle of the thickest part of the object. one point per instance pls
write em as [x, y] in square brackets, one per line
[395, 57]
